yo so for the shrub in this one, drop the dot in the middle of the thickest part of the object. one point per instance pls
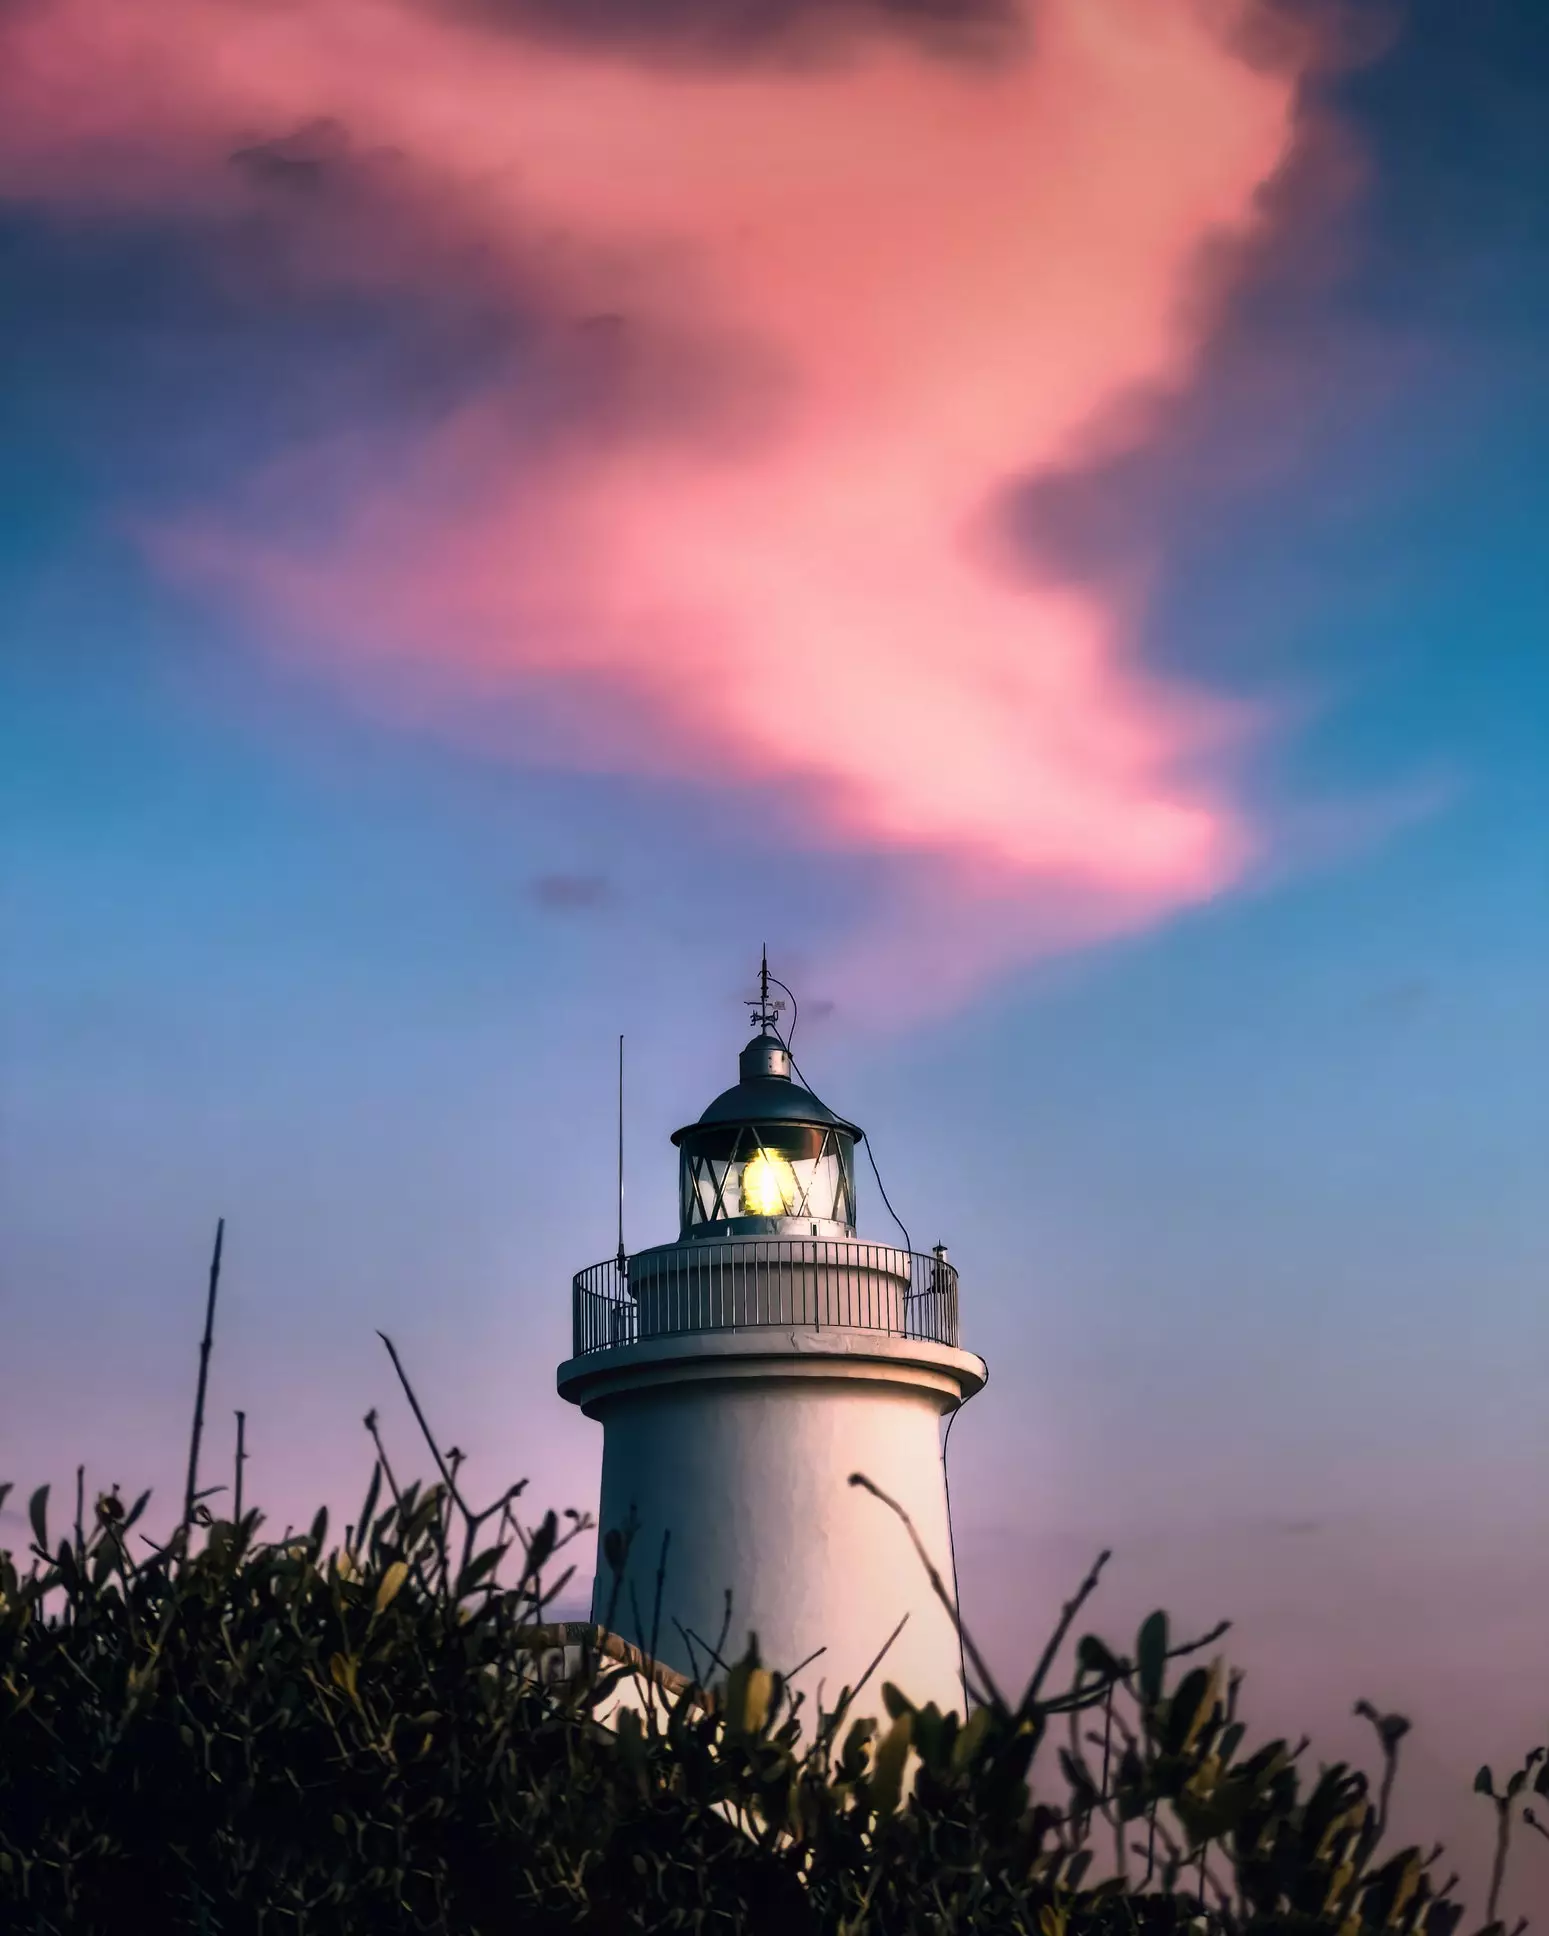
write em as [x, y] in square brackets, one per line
[229, 1733]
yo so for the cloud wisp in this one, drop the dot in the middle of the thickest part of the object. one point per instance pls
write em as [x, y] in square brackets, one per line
[782, 334]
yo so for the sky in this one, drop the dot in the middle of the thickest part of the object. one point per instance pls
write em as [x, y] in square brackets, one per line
[1034, 513]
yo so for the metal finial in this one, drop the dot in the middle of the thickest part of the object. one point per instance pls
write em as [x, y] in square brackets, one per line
[765, 1012]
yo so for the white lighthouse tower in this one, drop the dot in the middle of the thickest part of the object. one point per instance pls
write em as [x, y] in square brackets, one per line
[742, 1374]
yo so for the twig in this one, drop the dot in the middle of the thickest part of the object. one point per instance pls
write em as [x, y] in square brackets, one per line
[794, 1671]
[445, 1470]
[1502, 1845]
[849, 1695]
[656, 1610]
[192, 1489]
[381, 1452]
[236, 1507]
[1067, 1615]
[691, 1650]
[986, 1678]
[690, 1636]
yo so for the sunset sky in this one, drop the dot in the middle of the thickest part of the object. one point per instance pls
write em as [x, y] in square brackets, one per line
[1038, 514]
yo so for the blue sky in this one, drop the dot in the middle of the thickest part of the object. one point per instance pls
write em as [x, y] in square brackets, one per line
[1248, 1198]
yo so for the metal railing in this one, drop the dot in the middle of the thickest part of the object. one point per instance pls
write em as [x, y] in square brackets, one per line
[796, 1283]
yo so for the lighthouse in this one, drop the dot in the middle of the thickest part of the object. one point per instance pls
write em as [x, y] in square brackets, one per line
[741, 1375]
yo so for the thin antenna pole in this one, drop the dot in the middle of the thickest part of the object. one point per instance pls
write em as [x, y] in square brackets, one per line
[621, 1258]
[191, 1492]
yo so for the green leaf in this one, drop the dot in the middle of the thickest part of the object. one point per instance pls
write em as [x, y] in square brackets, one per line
[887, 1766]
[1094, 1658]
[1151, 1656]
[969, 1737]
[748, 1691]
[392, 1580]
[630, 1736]
[895, 1702]
[477, 1568]
[1083, 1791]
[37, 1512]
[1183, 1711]
[541, 1545]
[368, 1510]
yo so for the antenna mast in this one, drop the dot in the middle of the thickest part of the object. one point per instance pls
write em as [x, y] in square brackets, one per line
[622, 1261]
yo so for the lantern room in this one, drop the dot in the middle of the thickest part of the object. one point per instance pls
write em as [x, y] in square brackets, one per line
[766, 1157]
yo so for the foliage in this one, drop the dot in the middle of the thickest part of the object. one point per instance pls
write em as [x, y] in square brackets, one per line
[232, 1734]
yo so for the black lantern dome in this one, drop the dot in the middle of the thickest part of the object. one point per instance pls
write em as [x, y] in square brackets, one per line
[767, 1157]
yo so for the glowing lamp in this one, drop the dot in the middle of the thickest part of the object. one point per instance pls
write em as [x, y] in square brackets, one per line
[769, 1187]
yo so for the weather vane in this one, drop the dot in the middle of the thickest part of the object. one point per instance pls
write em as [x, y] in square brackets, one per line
[765, 1012]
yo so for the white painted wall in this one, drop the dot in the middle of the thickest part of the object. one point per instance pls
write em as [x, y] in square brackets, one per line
[741, 1444]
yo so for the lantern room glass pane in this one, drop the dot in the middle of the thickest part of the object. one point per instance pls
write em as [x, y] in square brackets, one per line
[780, 1170]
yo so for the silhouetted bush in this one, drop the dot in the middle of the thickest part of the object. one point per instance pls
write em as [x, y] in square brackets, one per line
[230, 1734]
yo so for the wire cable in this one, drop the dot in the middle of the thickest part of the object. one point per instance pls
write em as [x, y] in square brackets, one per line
[865, 1139]
[871, 1159]
[870, 1154]
[957, 1596]
[790, 1034]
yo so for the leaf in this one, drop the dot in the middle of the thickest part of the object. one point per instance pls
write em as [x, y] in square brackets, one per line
[969, 1736]
[476, 1569]
[1151, 1656]
[343, 1669]
[895, 1702]
[541, 1545]
[887, 1765]
[748, 1689]
[1191, 1708]
[1095, 1658]
[1083, 1790]
[392, 1580]
[37, 1512]
[1483, 1784]
[630, 1738]
[368, 1510]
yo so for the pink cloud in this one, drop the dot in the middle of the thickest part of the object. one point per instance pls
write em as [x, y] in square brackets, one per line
[864, 294]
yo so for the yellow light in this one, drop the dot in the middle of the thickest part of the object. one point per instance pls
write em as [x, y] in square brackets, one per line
[768, 1186]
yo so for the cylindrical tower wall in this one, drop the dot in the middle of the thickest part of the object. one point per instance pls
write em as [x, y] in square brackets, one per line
[742, 1464]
